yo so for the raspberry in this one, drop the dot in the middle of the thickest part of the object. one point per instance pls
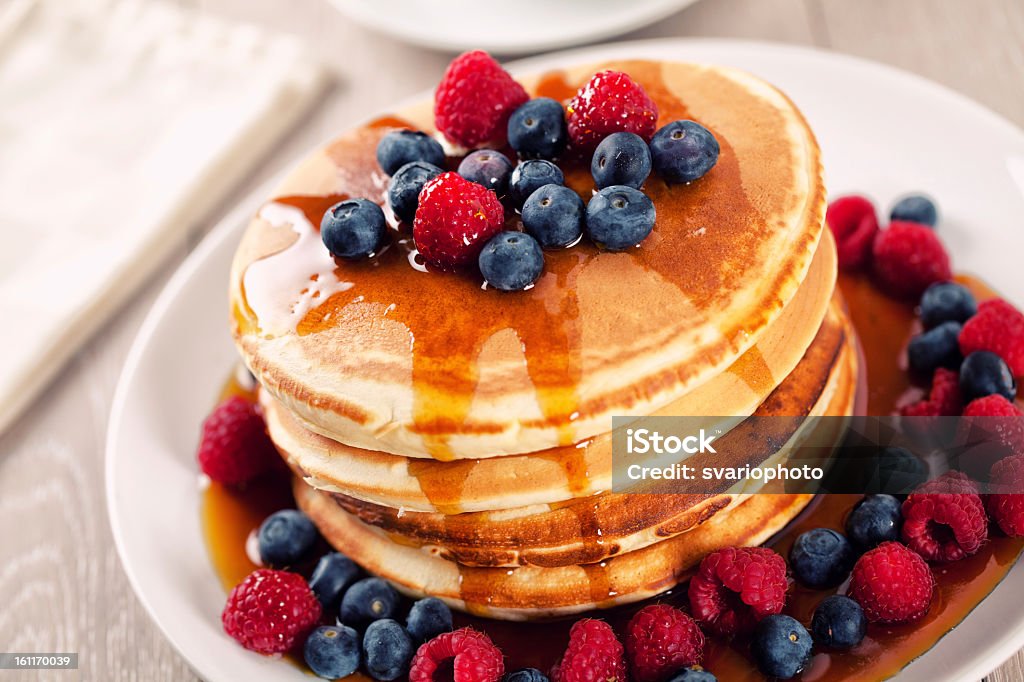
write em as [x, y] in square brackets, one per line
[944, 520]
[908, 258]
[892, 584]
[594, 654]
[1006, 504]
[474, 100]
[997, 327]
[234, 447]
[944, 399]
[992, 406]
[470, 654]
[610, 102]
[455, 219]
[660, 640]
[270, 611]
[854, 223]
[999, 422]
[736, 587]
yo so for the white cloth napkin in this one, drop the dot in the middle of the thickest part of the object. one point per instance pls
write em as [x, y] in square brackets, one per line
[121, 123]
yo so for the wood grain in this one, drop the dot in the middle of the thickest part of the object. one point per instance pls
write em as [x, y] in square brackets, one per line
[61, 584]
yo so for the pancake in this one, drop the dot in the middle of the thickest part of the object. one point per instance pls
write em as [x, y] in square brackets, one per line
[385, 356]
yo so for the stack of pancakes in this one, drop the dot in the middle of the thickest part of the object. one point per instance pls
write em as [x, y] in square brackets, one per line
[456, 440]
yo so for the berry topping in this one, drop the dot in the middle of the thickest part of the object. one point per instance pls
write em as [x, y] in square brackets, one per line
[405, 186]
[334, 573]
[286, 538]
[892, 584]
[511, 261]
[234, 447]
[474, 100]
[984, 373]
[661, 639]
[594, 653]
[400, 147]
[992, 406]
[944, 519]
[354, 228]
[736, 587]
[621, 159]
[488, 168]
[1006, 504]
[619, 217]
[874, 520]
[998, 327]
[908, 259]
[454, 220]
[781, 646]
[531, 175]
[821, 558]
[387, 650]
[332, 652]
[270, 611]
[937, 347]
[468, 653]
[427, 619]
[999, 422]
[526, 675]
[839, 623]
[610, 102]
[947, 302]
[915, 208]
[537, 130]
[854, 225]
[898, 470]
[554, 215]
[944, 399]
[694, 673]
[368, 600]
[684, 151]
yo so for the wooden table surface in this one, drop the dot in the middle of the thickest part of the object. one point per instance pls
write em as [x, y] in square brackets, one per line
[61, 584]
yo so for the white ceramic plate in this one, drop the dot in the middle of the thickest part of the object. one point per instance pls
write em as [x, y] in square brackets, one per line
[511, 28]
[883, 132]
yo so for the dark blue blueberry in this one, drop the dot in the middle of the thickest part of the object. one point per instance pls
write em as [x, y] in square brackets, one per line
[334, 573]
[947, 302]
[985, 373]
[916, 208]
[405, 185]
[387, 650]
[286, 538]
[400, 147]
[427, 619]
[839, 623]
[368, 600]
[529, 176]
[937, 347]
[554, 215]
[898, 471]
[683, 151]
[781, 646]
[693, 674]
[511, 261]
[526, 675]
[332, 652]
[354, 228]
[537, 129]
[874, 520]
[488, 168]
[621, 159]
[821, 558]
[619, 217]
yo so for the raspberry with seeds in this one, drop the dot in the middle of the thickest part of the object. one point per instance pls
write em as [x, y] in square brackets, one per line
[610, 102]
[944, 520]
[594, 654]
[454, 221]
[1006, 503]
[736, 587]
[944, 398]
[234, 447]
[660, 640]
[271, 612]
[471, 655]
[909, 257]
[854, 224]
[892, 584]
[474, 100]
[997, 327]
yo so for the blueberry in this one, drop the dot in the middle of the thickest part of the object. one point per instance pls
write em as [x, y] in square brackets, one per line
[683, 151]
[400, 147]
[916, 208]
[488, 168]
[781, 646]
[368, 600]
[694, 674]
[405, 186]
[511, 261]
[526, 675]
[985, 373]
[874, 520]
[537, 129]
[333, 574]
[529, 176]
[898, 471]
[937, 347]
[839, 623]
[387, 650]
[821, 558]
[353, 229]
[621, 159]
[619, 217]
[554, 216]
[427, 619]
[947, 302]
[332, 652]
[286, 538]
